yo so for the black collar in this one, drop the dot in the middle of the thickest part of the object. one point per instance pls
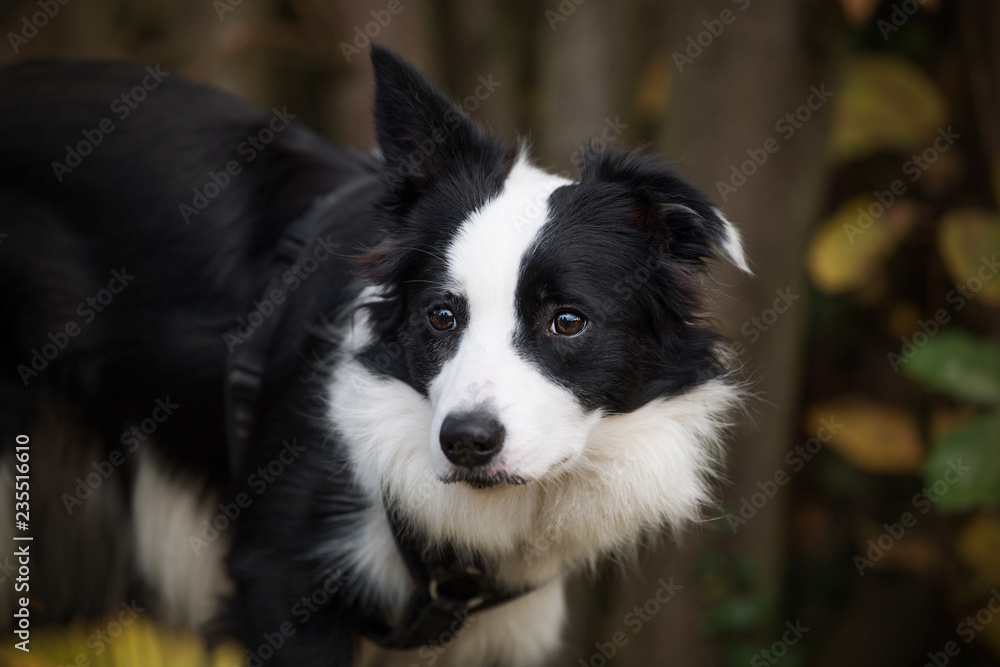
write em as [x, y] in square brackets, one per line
[449, 586]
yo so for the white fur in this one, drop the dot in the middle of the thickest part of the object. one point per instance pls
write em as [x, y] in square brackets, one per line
[372, 550]
[166, 512]
[596, 483]
[521, 632]
[732, 247]
[483, 265]
[638, 471]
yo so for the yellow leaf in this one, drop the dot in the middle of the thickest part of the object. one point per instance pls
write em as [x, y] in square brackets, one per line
[966, 238]
[978, 547]
[849, 247]
[228, 655]
[17, 658]
[140, 644]
[874, 437]
[884, 103]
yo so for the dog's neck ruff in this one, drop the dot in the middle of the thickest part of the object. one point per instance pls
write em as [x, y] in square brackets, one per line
[448, 587]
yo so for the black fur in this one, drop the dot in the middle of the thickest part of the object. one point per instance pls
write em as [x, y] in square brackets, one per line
[616, 250]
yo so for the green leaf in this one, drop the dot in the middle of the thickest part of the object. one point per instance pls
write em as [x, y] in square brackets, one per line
[963, 471]
[955, 363]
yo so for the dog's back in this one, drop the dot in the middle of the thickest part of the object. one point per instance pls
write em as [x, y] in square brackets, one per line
[140, 217]
[141, 213]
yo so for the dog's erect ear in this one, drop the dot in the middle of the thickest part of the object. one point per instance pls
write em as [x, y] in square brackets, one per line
[422, 134]
[675, 214]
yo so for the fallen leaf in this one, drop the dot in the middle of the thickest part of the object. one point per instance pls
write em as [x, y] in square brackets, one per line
[969, 240]
[850, 246]
[138, 645]
[884, 103]
[872, 436]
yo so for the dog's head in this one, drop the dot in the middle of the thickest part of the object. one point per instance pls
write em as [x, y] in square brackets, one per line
[526, 310]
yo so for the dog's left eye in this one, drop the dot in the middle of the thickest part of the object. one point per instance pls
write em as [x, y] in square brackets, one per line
[567, 323]
[442, 319]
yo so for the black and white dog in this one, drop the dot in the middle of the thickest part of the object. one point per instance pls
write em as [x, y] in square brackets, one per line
[406, 393]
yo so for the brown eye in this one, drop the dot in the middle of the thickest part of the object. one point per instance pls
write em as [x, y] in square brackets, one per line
[568, 324]
[442, 319]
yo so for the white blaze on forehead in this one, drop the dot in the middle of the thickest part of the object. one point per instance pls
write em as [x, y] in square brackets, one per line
[485, 257]
[484, 262]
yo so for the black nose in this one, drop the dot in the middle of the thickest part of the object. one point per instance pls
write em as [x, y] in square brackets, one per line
[472, 439]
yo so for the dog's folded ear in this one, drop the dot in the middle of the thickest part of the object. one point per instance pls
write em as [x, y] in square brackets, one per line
[421, 133]
[678, 218]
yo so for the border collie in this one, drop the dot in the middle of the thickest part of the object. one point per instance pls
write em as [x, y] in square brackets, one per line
[401, 395]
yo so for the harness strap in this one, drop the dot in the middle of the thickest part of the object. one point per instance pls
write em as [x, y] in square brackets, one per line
[246, 363]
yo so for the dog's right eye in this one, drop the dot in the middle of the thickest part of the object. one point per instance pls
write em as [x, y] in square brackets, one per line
[442, 319]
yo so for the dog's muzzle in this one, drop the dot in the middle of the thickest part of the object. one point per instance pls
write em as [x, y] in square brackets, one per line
[471, 439]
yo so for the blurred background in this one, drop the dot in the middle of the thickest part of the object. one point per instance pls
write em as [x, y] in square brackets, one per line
[857, 145]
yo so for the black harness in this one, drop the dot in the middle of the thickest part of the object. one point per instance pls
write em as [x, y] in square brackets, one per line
[449, 586]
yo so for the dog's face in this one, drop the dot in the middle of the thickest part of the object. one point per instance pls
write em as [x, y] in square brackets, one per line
[528, 308]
